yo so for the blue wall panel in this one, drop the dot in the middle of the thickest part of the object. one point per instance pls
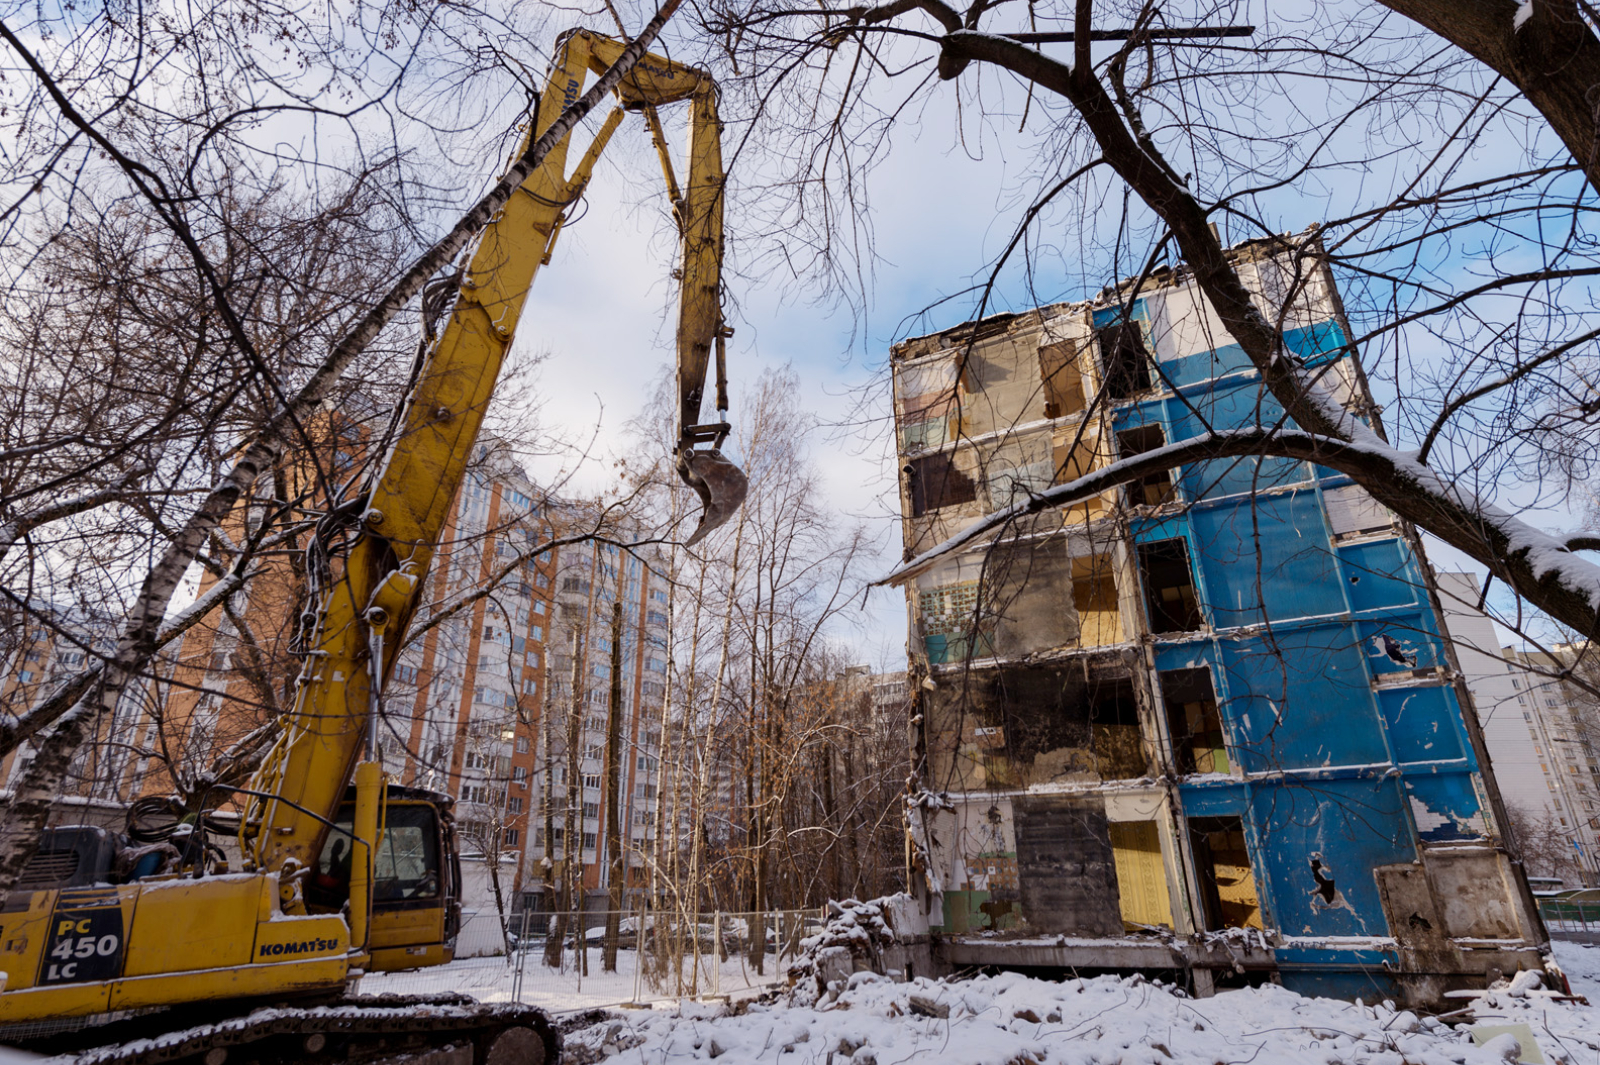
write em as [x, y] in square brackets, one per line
[1301, 701]
[1345, 827]
[1420, 729]
[1446, 806]
[1299, 576]
[1378, 574]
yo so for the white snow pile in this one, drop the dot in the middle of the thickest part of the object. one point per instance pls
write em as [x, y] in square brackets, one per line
[856, 931]
[1011, 1019]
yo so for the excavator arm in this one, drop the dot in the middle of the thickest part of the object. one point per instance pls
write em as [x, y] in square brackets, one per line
[353, 636]
[100, 940]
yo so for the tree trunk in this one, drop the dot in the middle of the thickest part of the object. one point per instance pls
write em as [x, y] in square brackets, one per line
[608, 958]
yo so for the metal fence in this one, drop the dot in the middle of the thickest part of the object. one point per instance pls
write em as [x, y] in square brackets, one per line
[516, 959]
[1569, 915]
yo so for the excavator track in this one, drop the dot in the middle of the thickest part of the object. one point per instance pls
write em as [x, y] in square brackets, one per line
[371, 1030]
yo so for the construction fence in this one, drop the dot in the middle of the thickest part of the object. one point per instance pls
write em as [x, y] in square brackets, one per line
[660, 957]
[1570, 915]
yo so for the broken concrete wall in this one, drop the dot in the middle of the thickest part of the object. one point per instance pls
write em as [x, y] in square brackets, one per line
[1276, 737]
[1021, 725]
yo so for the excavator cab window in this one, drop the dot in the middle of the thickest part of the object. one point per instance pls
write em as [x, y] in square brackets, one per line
[408, 856]
[407, 867]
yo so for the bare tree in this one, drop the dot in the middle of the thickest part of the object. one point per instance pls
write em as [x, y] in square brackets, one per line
[168, 162]
[1482, 347]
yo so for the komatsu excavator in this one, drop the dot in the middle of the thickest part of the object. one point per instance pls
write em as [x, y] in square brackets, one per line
[343, 873]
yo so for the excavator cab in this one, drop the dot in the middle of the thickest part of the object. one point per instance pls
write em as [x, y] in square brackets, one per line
[416, 883]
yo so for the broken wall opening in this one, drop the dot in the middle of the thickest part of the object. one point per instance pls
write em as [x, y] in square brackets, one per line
[936, 482]
[1153, 489]
[1169, 586]
[1094, 598]
[1076, 452]
[1194, 721]
[1126, 358]
[1228, 893]
[1021, 725]
[1063, 380]
[1114, 722]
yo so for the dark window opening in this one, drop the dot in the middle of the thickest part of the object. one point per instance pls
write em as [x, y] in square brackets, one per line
[1063, 384]
[1227, 884]
[1114, 722]
[1195, 722]
[1127, 364]
[1169, 586]
[935, 482]
[1152, 489]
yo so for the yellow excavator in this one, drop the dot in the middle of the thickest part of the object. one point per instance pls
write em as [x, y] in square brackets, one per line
[343, 873]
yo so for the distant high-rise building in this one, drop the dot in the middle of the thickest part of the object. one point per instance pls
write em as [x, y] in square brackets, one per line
[1562, 722]
[487, 658]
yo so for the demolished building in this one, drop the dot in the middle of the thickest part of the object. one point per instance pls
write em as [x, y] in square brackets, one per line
[1208, 723]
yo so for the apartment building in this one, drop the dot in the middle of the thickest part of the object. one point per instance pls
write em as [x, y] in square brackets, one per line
[1536, 739]
[609, 637]
[46, 645]
[465, 708]
[1562, 725]
[1207, 722]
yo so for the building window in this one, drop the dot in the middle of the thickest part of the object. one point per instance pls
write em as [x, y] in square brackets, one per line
[1063, 384]
[1198, 745]
[1152, 489]
[25, 676]
[1227, 883]
[935, 482]
[513, 805]
[522, 745]
[405, 674]
[1169, 586]
[591, 809]
[512, 836]
[1127, 364]
[519, 774]
[1094, 598]
[588, 841]
[591, 780]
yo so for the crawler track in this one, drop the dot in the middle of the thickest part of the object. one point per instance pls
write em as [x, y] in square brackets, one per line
[416, 1030]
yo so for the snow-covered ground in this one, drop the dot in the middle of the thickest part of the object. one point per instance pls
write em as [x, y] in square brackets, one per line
[558, 991]
[1015, 1020]
[1581, 963]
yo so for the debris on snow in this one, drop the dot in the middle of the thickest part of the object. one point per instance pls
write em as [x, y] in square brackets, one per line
[1105, 1020]
[852, 941]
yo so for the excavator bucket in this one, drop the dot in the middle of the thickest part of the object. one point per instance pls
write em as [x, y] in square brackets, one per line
[720, 485]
